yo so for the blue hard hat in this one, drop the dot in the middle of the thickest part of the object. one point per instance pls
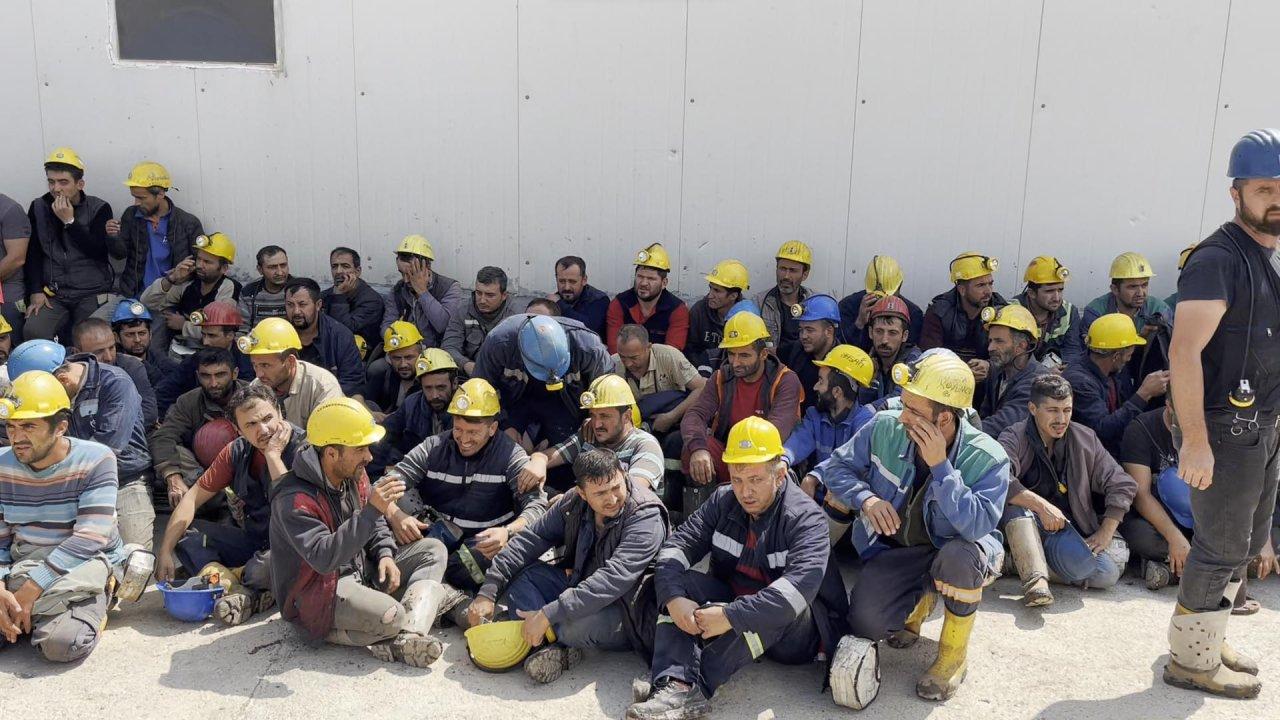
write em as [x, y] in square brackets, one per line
[817, 307]
[189, 604]
[43, 355]
[545, 350]
[129, 310]
[743, 306]
[1256, 155]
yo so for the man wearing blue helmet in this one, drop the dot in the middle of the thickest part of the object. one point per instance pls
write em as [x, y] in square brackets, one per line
[1225, 385]
[131, 323]
[819, 320]
[540, 366]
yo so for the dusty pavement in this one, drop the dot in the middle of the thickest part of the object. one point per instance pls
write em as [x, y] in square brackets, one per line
[1092, 655]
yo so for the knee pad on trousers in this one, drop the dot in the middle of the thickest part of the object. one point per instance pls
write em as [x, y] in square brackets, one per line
[70, 637]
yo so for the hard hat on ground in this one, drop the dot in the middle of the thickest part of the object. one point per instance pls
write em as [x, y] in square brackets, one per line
[730, 274]
[1131, 266]
[343, 421]
[752, 440]
[129, 310]
[544, 347]
[1114, 331]
[475, 398]
[65, 156]
[970, 265]
[271, 336]
[795, 251]
[34, 394]
[147, 174]
[817, 307]
[43, 355]
[211, 438]
[433, 360]
[884, 275]
[938, 375]
[743, 329]
[498, 646]
[399, 335]
[217, 244]
[655, 256]
[219, 313]
[416, 245]
[1045, 270]
[851, 361]
[1012, 316]
[1256, 155]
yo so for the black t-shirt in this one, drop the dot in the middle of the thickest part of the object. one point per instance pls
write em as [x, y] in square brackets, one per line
[1149, 443]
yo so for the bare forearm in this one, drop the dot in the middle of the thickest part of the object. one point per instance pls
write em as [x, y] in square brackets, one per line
[10, 266]
[179, 521]
[1153, 512]
[1187, 386]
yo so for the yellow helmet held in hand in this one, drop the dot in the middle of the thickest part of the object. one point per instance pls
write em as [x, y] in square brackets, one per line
[499, 646]
[1186, 253]
[1012, 316]
[1131, 266]
[610, 391]
[35, 394]
[938, 375]
[884, 275]
[795, 251]
[65, 156]
[752, 440]
[433, 360]
[970, 265]
[1114, 331]
[416, 245]
[270, 337]
[1045, 270]
[217, 244]
[730, 274]
[148, 174]
[475, 398]
[343, 421]
[655, 256]
[851, 361]
[743, 329]
[400, 334]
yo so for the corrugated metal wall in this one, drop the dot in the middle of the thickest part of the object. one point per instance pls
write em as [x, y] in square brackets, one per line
[511, 134]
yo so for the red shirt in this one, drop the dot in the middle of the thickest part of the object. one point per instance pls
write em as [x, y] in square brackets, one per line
[746, 399]
[220, 474]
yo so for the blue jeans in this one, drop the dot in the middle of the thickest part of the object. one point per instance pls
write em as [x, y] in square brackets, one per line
[1068, 556]
[540, 583]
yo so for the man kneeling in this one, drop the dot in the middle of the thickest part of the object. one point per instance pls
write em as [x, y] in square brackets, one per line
[600, 594]
[335, 568]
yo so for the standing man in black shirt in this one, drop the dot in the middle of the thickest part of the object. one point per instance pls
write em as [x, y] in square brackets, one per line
[1225, 361]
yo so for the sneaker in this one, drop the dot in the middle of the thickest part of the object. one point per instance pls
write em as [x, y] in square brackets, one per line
[1156, 574]
[236, 608]
[548, 663]
[411, 649]
[672, 700]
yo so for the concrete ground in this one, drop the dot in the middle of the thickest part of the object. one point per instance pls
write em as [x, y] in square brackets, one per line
[1091, 655]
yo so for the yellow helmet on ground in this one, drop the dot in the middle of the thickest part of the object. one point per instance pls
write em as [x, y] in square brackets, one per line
[343, 421]
[499, 646]
[852, 361]
[610, 391]
[270, 337]
[970, 265]
[1012, 316]
[938, 375]
[1186, 253]
[1045, 270]
[655, 256]
[217, 244]
[1131, 266]
[475, 398]
[884, 275]
[743, 329]
[1114, 331]
[416, 245]
[399, 335]
[65, 156]
[433, 360]
[148, 174]
[730, 274]
[34, 394]
[795, 251]
[752, 440]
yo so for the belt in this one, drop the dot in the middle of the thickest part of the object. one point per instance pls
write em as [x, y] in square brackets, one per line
[1241, 422]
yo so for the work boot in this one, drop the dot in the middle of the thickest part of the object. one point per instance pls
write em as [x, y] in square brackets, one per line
[1232, 659]
[641, 688]
[944, 676]
[1028, 557]
[672, 700]
[855, 672]
[910, 632]
[236, 607]
[414, 645]
[547, 663]
[410, 648]
[1195, 655]
[1156, 574]
[453, 608]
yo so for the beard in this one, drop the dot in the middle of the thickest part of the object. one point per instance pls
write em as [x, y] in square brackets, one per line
[826, 402]
[1260, 224]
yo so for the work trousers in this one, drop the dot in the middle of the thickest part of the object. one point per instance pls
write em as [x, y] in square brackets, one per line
[1232, 517]
[364, 615]
[893, 580]
[710, 663]
[1071, 559]
[1144, 540]
[540, 583]
[208, 542]
[68, 618]
[57, 318]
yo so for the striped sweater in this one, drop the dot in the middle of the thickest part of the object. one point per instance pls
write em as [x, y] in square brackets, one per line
[69, 508]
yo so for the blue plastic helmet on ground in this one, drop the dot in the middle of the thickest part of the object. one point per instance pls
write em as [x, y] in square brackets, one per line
[544, 346]
[1256, 155]
[817, 307]
[743, 306]
[129, 310]
[43, 355]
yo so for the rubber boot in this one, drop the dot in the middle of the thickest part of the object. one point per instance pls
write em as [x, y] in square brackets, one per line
[1232, 659]
[1195, 655]
[910, 632]
[944, 676]
[414, 646]
[1028, 557]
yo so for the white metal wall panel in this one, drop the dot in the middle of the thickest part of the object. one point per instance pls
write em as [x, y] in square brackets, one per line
[21, 144]
[1121, 134]
[768, 134]
[436, 122]
[943, 126]
[601, 121]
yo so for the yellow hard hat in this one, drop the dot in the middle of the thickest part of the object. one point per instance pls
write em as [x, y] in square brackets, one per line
[884, 275]
[970, 265]
[499, 646]
[743, 329]
[1045, 270]
[433, 360]
[217, 244]
[34, 394]
[271, 336]
[399, 335]
[149, 174]
[730, 274]
[65, 156]
[343, 421]
[610, 391]
[795, 251]
[5, 327]
[1114, 331]
[1012, 316]
[475, 398]
[1131, 266]
[852, 361]
[416, 245]
[654, 256]
[752, 440]
[362, 346]
[1186, 253]
[940, 376]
